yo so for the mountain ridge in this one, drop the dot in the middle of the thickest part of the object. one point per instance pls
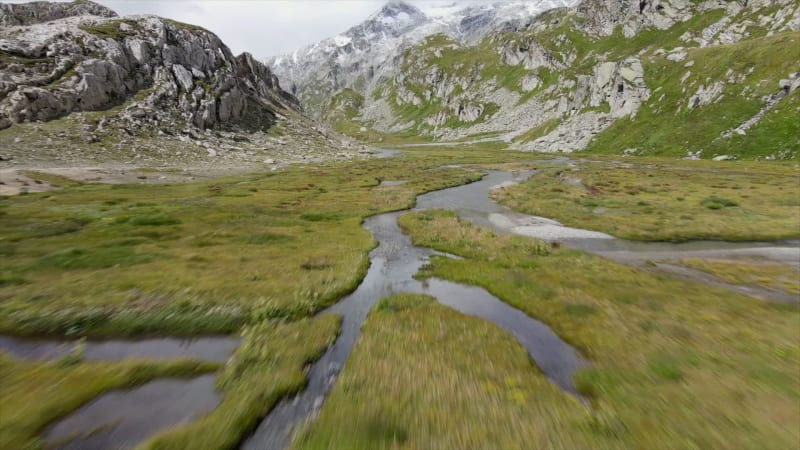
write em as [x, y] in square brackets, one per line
[575, 77]
[366, 54]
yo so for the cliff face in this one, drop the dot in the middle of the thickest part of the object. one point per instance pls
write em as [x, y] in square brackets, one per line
[90, 63]
[669, 77]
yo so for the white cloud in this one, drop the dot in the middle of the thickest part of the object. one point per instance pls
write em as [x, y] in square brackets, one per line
[263, 28]
[267, 27]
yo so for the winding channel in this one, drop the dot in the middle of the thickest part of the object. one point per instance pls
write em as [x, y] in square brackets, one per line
[396, 260]
[124, 418]
[393, 265]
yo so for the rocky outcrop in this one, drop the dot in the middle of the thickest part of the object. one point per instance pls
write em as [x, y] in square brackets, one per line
[38, 12]
[169, 72]
[530, 55]
[621, 85]
[603, 17]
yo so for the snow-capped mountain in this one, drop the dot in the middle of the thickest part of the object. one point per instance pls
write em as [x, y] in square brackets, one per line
[363, 56]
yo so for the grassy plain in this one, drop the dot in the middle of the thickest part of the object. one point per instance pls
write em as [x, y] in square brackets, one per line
[238, 253]
[196, 258]
[662, 200]
[674, 364]
[261, 253]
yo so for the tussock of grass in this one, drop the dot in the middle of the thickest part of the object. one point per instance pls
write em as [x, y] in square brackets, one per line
[667, 201]
[268, 366]
[424, 376]
[155, 220]
[728, 364]
[718, 203]
[37, 393]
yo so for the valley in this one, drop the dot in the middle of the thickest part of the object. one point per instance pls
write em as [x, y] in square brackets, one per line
[528, 225]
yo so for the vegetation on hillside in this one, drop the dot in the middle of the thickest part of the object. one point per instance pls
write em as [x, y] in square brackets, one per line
[744, 76]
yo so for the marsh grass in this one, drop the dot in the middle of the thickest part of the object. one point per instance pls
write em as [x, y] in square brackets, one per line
[424, 376]
[37, 393]
[674, 364]
[767, 274]
[268, 366]
[657, 200]
[197, 258]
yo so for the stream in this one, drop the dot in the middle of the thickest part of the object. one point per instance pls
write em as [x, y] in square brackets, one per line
[124, 418]
[393, 265]
[396, 260]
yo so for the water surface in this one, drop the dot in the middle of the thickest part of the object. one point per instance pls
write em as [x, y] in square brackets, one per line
[124, 418]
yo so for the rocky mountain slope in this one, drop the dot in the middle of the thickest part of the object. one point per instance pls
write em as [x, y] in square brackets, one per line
[368, 54]
[669, 77]
[138, 87]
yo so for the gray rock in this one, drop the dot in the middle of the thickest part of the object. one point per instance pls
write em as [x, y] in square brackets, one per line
[150, 53]
[183, 76]
[38, 12]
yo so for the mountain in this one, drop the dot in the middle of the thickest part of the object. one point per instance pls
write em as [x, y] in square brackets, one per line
[106, 80]
[668, 77]
[367, 54]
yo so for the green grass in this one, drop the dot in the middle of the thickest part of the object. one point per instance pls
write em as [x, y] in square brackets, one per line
[36, 393]
[776, 135]
[200, 257]
[674, 364]
[110, 29]
[95, 258]
[658, 200]
[424, 376]
[187, 26]
[537, 132]
[8, 58]
[268, 366]
[768, 274]
[770, 58]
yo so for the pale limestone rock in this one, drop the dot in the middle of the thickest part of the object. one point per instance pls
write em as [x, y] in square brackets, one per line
[183, 76]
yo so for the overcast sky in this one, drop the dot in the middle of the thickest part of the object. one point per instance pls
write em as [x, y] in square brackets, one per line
[266, 27]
